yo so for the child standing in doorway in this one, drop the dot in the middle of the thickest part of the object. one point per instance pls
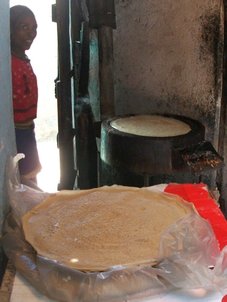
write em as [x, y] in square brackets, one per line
[23, 30]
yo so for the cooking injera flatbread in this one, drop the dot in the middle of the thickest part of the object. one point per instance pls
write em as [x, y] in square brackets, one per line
[96, 229]
[151, 125]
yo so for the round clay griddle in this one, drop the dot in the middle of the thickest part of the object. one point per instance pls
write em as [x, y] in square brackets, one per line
[146, 154]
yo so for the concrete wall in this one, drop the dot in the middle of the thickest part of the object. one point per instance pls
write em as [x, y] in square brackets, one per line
[7, 140]
[168, 59]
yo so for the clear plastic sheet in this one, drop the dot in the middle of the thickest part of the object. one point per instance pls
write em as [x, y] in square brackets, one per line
[195, 261]
[22, 198]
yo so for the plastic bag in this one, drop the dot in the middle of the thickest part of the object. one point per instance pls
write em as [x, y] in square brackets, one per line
[22, 198]
[195, 261]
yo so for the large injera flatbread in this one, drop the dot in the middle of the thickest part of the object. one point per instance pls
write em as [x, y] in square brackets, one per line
[151, 125]
[97, 229]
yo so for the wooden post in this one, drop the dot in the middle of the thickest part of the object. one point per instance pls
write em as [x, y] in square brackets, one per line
[106, 74]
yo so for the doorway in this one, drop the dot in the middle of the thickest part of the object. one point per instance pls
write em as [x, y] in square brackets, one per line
[43, 56]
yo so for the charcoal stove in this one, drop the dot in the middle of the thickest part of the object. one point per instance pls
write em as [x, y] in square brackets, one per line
[130, 159]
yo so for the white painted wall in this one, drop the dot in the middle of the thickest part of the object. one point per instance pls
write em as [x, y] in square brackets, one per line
[7, 139]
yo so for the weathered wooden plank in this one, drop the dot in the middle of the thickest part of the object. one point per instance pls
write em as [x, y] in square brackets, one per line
[101, 12]
[106, 74]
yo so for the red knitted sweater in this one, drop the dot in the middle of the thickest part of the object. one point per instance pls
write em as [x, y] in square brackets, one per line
[25, 91]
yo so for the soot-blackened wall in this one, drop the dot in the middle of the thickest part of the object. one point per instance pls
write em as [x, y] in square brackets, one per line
[168, 59]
